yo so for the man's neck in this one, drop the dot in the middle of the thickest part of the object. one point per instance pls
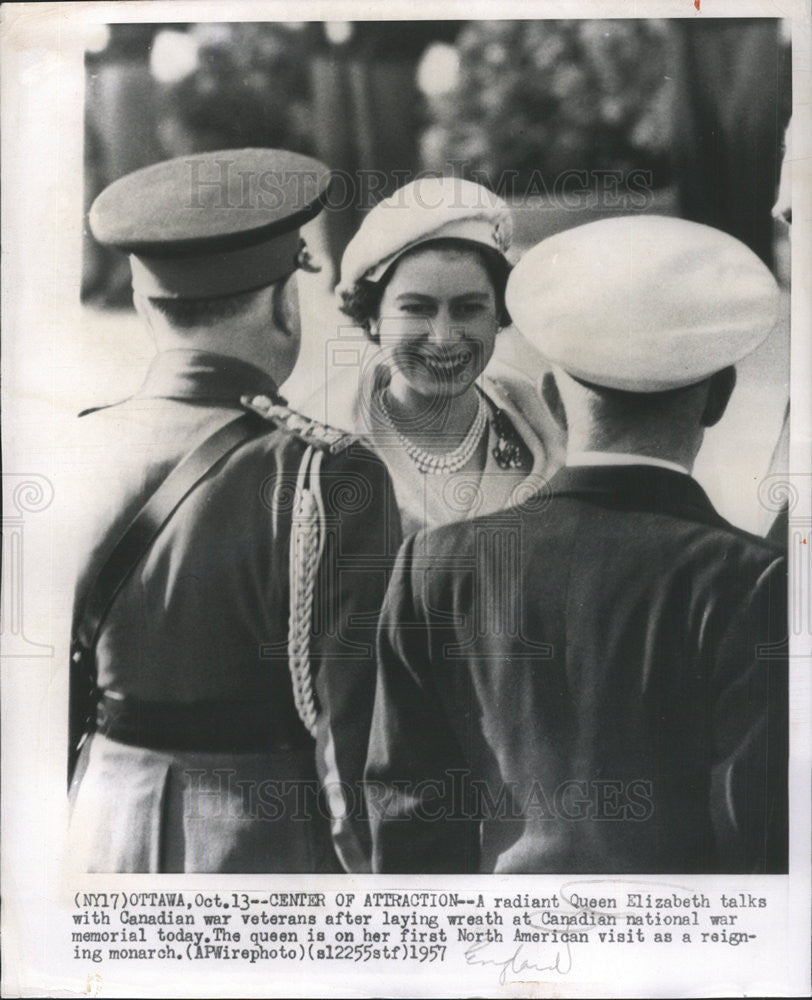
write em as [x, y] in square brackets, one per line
[658, 448]
[225, 346]
[614, 458]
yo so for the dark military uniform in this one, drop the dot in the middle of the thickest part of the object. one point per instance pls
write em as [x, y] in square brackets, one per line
[210, 752]
[595, 685]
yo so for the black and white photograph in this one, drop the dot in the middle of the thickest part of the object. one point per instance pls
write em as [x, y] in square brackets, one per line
[406, 578]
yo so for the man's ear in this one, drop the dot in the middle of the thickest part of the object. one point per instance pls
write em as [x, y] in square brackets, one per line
[284, 307]
[552, 397]
[720, 389]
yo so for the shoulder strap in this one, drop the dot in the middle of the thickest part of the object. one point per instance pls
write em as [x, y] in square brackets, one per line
[147, 524]
[311, 432]
[125, 556]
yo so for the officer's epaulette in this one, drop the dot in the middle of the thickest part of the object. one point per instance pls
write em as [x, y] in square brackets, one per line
[311, 431]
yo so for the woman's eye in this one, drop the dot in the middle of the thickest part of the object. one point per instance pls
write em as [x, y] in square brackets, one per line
[417, 309]
[468, 309]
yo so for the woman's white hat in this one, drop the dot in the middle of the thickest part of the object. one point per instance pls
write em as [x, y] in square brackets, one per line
[643, 303]
[430, 208]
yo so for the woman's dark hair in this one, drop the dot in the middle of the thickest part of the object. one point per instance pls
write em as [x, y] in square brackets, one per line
[362, 302]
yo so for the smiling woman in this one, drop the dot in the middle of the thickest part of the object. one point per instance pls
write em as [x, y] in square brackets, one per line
[425, 277]
[437, 321]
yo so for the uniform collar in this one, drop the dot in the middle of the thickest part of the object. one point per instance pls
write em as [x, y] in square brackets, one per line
[638, 487]
[577, 458]
[205, 377]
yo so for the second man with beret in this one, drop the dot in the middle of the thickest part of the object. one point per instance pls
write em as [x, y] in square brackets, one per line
[597, 682]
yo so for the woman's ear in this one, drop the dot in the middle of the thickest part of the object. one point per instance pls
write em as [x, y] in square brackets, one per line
[372, 330]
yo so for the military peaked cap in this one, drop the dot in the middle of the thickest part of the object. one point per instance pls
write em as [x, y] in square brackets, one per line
[214, 223]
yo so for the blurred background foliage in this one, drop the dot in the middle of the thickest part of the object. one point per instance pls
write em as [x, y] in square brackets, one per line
[556, 96]
[698, 105]
[246, 85]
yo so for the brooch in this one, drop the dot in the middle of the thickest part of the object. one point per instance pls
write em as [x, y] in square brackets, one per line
[510, 451]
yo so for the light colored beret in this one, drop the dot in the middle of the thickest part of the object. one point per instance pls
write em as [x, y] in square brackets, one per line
[214, 223]
[430, 208]
[643, 303]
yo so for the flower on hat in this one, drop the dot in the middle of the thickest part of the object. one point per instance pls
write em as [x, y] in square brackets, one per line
[503, 233]
[427, 209]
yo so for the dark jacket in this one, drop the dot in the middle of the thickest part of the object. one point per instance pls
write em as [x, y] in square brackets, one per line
[204, 621]
[594, 683]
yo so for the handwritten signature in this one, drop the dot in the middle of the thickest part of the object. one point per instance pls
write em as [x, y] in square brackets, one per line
[517, 961]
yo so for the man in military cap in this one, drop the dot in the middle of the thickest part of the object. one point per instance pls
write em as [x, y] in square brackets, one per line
[235, 553]
[593, 682]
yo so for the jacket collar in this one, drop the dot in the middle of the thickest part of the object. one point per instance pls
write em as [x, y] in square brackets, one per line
[205, 377]
[638, 487]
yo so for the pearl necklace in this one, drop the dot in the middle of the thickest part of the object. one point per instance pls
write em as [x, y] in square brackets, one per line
[430, 463]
